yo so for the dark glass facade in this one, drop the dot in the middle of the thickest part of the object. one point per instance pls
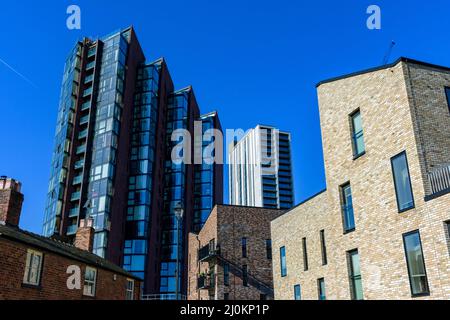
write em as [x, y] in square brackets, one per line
[112, 160]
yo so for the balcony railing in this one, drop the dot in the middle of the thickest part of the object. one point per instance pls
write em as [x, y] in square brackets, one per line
[74, 212]
[77, 180]
[79, 164]
[81, 149]
[89, 78]
[151, 297]
[207, 252]
[440, 180]
[90, 65]
[75, 196]
[84, 120]
[85, 106]
[83, 134]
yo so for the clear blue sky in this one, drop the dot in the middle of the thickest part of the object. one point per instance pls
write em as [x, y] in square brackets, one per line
[253, 61]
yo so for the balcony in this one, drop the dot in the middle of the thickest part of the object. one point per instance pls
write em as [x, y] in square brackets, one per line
[79, 164]
[81, 149]
[89, 79]
[84, 120]
[74, 212]
[90, 65]
[75, 196]
[71, 230]
[83, 134]
[85, 106]
[207, 252]
[77, 180]
[439, 181]
[205, 282]
[88, 91]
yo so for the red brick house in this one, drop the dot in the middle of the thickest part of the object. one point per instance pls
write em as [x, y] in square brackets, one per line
[33, 267]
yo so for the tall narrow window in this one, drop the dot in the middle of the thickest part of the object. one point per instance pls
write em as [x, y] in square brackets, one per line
[226, 274]
[90, 279]
[226, 296]
[347, 208]
[402, 182]
[416, 264]
[321, 288]
[244, 247]
[297, 292]
[305, 255]
[283, 261]
[33, 268]
[245, 275]
[357, 135]
[447, 93]
[323, 244]
[269, 249]
[355, 275]
[447, 230]
[130, 290]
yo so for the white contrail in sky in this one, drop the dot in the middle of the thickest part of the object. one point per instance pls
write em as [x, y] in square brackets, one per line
[18, 73]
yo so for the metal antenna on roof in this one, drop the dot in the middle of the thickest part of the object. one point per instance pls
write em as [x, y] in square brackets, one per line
[388, 53]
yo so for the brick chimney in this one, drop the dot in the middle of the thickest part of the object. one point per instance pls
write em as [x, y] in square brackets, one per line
[84, 239]
[10, 201]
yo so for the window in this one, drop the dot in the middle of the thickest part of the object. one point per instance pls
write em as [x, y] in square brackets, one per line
[416, 264]
[355, 275]
[244, 247]
[324, 248]
[226, 274]
[447, 230]
[245, 275]
[321, 288]
[90, 279]
[305, 255]
[402, 182]
[263, 297]
[347, 208]
[269, 249]
[359, 147]
[297, 292]
[130, 290]
[33, 268]
[283, 261]
[447, 93]
[226, 296]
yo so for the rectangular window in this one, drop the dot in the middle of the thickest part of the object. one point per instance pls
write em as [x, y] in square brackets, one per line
[357, 134]
[263, 297]
[447, 230]
[244, 247]
[355, 275]
[226, 274]
[269, 249]
[323, 244]
[297, 292]
[283, 261]
[321, 288]
[347, 208]
[33, 268]
[90, 279]
[130, 290]
[245, 275]
[402, 182]
[416, 264]
[226, 296]
[447, 93]
[305, 255]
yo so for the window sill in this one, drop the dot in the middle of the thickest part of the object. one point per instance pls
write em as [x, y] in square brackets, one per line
[406, 210]
[356, 157]
[31, 286]
[419, 295]
[349, 231]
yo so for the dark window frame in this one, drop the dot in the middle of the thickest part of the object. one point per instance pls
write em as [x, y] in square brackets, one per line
[297, 286]
[354, 134]
[269, 253]
[403, 153]
[343, 204]
[305, 255]
[319, 289]
[226, 274]
[244, 243]
[447, 234]
[427, 292]
[447, 95]
[351, 273]
[245, 275]
[283, 266]
[323, 245]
